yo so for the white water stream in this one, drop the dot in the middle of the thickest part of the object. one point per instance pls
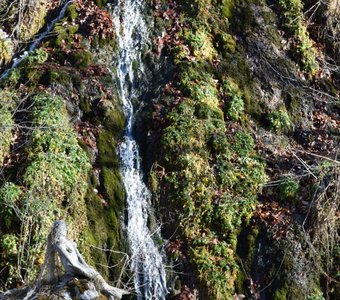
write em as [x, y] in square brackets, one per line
[147, 264]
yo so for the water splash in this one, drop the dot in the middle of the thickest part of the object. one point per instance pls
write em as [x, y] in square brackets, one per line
[131, 32]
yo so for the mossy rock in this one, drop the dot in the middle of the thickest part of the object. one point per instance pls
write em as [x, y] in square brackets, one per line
[104, 230]
[96, 234]
[65, 34]
[80, 58]
[225, 43]
[114, 188]
[107, 149]
[37, 13]
[85, 104]
[114, 120]
[227, 7]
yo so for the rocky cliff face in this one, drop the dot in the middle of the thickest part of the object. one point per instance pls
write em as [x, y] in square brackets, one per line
[239, 129]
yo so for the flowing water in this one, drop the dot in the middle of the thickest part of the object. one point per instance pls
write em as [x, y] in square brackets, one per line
[147, 264]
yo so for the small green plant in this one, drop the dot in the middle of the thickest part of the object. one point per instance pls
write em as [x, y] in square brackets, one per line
[199, 85]
[279, 121]
[288, 189]
[9, 245]
[179, 53]
[235, 105]
[201, 44]
[295, 23]
[316, 295]
[38, 56]
[72, 12]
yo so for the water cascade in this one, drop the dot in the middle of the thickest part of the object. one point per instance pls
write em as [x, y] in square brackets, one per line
[131, 32]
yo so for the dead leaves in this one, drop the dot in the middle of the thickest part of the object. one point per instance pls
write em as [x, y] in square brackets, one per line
[275, 217]
[94, 21]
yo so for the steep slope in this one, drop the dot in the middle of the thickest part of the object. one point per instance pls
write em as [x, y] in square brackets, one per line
[61, 120]
[249, 135]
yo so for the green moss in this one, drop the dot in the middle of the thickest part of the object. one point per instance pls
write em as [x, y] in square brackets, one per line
[235, 103]
[198, 84]
[6, 48]
[107, 149]
[104, 218]
[114, 121]
[80, 58]
[71, 11]
[280, 294]
[189, 145]
[227, 7]
[316, 294]
[84, 104]
[179, 53]
[30, 70]
[288, 189]
[246, 250]
[295, 23]
[204, 111]
[54, 180]
[65, 33]
[225, 43]
[279, 121]
[201, 44]
[59, 76]
[7, 105]
[35, 20]
[114, 188]
[95, 238]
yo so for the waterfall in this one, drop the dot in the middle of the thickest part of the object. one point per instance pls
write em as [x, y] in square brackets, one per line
[147, 264]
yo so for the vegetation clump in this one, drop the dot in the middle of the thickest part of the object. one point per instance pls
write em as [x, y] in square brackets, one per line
[54, 181]
[213, 174]
[215, 198]
[7, 105]
[294, 21]
[235, 105]
[289, 188]
[279, 121]
[6, 47]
